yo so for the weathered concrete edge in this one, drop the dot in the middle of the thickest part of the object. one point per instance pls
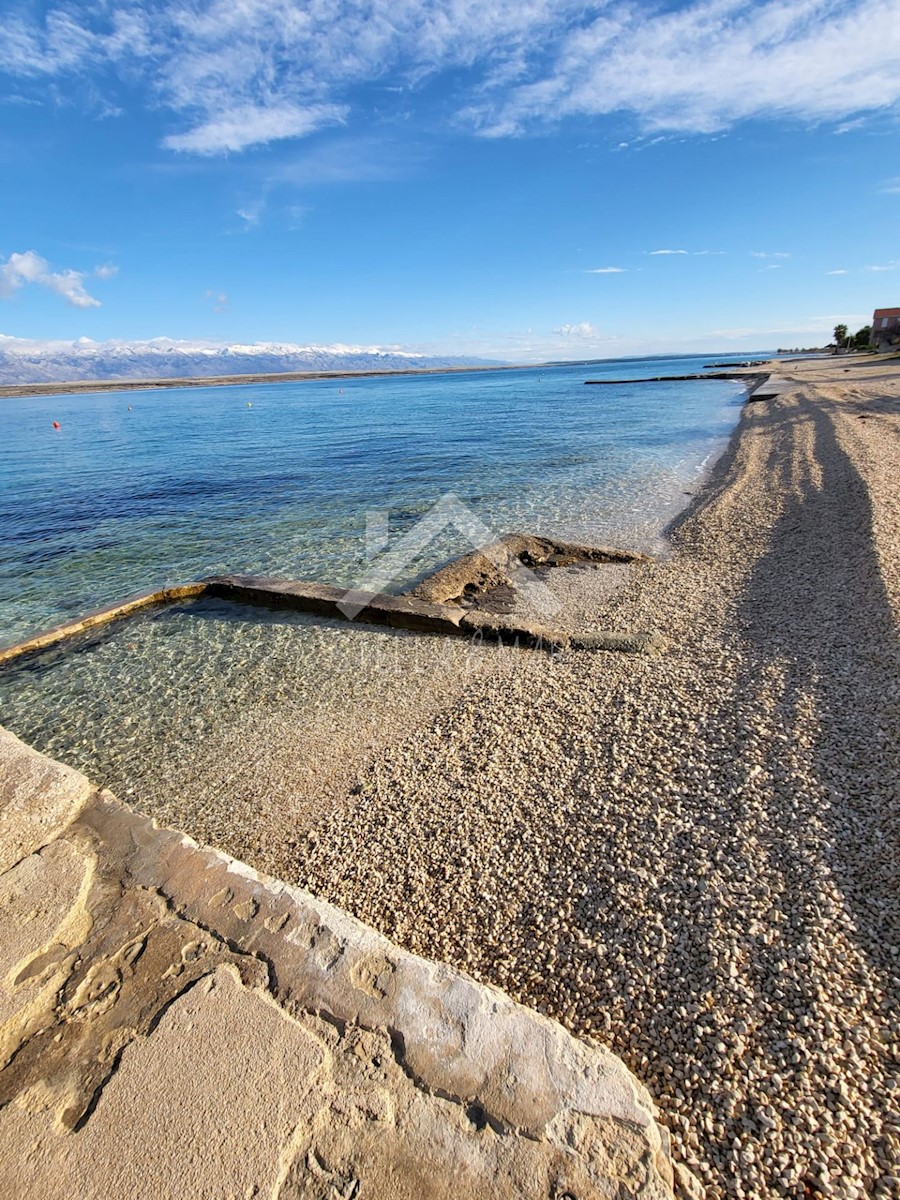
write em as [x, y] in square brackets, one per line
[453, 1037]
[770, 388]
[324, 600]
[102, 616]
[319, 599]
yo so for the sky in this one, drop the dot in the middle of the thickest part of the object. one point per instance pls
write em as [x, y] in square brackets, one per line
[512, 179]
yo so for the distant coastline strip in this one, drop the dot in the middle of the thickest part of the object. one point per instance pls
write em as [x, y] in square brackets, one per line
[10, 390]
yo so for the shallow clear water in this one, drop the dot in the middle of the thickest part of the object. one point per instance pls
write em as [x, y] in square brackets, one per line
[235, 723]
[142, 488]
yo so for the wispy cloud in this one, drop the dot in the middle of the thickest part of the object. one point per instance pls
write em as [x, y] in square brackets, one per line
[891, 187]
[251, 125]
[348, 158]
[21, 269]
[219, 300]
[105, 271]
[251, 212]
[839, 271]
[769, 254]
[889, 266]
[605, 270]
[296, 214]
[651, 252]
[849, 126]
[238, 75]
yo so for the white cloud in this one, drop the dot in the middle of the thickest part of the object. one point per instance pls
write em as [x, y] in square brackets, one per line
[840, 271]
[605, 271]
[22, 269]
[890, 266]
[241, 73]
[891, 187]
[767, 254]
[710, 63]
[651, 252]
[106, 271]
[247, 126]
[584, 329]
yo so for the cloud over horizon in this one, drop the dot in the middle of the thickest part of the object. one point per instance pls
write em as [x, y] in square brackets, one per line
[21, 269]
[583, 329]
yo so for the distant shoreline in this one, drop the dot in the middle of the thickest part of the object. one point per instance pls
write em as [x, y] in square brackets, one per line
[11, 390]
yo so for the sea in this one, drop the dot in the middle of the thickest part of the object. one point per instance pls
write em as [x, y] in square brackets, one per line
[136, 489]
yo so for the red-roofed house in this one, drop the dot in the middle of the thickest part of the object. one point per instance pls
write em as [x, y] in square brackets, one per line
[886, 328]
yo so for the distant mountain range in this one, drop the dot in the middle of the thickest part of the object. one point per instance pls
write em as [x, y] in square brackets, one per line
[25, 361]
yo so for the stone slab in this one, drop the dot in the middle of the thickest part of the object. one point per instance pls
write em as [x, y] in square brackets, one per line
[177, 1024]
[39, 797]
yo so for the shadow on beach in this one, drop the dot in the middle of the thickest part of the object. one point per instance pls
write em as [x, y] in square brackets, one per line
[817, 601]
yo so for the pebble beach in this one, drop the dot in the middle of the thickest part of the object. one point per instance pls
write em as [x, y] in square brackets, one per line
[691, 858]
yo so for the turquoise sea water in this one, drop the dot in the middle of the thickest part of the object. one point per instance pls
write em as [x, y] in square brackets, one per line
[137, 489]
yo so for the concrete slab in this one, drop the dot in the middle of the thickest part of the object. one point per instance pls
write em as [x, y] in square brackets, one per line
[769, 390]
[176, 1025]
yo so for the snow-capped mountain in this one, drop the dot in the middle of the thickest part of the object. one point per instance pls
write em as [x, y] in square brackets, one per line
[25, 361]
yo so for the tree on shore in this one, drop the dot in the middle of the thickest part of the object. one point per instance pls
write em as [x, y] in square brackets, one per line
[840, 335]
[863, 337]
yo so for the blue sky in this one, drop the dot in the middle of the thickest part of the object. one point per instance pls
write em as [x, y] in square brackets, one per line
[518, 180]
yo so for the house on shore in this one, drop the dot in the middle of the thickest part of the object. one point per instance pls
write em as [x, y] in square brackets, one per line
[886, 329]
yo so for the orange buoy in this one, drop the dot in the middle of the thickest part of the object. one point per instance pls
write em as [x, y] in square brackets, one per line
[56, 425]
